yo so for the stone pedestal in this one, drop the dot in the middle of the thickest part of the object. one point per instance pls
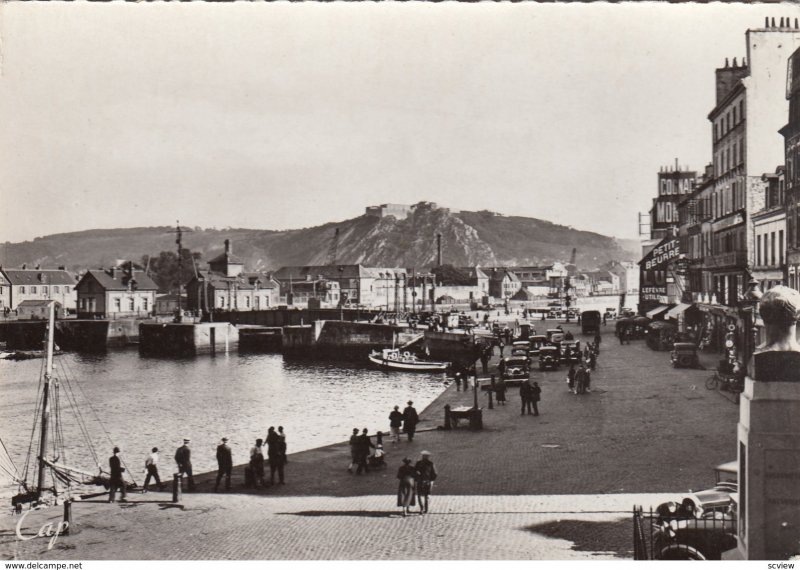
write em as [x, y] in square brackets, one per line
[769, 470]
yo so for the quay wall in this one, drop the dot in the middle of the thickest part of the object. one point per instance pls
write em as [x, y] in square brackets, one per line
[254, 338]
[460, 348]
[342, 339]
[186, 339]
[79, 335]
[285, 317]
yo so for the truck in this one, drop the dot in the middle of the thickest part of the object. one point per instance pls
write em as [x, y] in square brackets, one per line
[590, 322]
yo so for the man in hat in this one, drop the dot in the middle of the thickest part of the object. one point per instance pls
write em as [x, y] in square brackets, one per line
[151, 465]
[225, 464]
[116, 481]
[183, 457]
[426, 475]
[396, 422]
[410, 420]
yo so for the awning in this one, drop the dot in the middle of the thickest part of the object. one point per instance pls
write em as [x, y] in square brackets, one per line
[657, 311]
[677, 310]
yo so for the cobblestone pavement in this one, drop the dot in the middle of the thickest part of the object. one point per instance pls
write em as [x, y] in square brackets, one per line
[645, 428]
[369, 527]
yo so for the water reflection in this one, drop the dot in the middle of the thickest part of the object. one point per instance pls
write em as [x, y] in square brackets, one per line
[147, 402]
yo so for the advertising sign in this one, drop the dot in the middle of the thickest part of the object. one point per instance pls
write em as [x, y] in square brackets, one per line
[653, 269]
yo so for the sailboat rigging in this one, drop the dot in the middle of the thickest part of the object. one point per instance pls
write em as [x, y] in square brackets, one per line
[46, 476]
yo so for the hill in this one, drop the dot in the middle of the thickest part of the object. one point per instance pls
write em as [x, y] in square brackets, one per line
[468, 238]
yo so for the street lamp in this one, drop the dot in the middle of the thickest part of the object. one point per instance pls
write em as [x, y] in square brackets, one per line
[748, 307]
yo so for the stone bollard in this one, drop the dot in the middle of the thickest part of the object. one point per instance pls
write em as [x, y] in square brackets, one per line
[177, 490]
[491, 402]
[476, 419]
[67, 523]
[447, 421]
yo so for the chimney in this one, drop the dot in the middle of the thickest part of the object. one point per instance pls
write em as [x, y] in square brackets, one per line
[227, 246]
[114, 272]
[439, 250]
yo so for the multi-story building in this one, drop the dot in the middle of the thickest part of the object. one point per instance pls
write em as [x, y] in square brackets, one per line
[791, 134]
[542, 280]
[503, 283]
[750, 109]
[769, 226]
[118, 292]
[674, 184]
[224, 286]
[18, 285]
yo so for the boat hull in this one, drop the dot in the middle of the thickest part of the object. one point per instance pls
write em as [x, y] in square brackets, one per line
[408, 366]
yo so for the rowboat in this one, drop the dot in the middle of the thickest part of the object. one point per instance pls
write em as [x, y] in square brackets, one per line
[394, 359]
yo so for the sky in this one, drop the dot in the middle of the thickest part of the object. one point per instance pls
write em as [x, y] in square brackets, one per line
[286, 115]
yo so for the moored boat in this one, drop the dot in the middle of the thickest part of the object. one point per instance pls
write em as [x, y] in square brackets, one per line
[393, 358]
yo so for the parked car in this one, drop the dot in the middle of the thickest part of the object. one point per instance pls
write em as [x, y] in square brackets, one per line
[700, 527]
[627, 312]
[536, 343]
[515, 351]
[548, 357]
[515, 367]
[521, 344]
[554, 336]
[611, 313]
[684, 355]
[570, 351]
[590, 322]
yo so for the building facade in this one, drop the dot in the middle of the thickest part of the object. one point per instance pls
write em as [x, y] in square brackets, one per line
[225, 286]
[674, 184]
[118, 292]
[769, 227]
[18, 285]
[791, 136]
[542, 280]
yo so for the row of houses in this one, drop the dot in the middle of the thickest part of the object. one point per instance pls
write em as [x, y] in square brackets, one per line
[716, 234]
[126, 291]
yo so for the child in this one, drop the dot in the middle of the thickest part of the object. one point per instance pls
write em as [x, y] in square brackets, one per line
[378, 458]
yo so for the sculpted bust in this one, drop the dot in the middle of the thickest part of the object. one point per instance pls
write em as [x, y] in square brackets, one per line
[778, 359]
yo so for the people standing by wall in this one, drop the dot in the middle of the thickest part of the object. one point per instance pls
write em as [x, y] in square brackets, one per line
[363, 446]
[275, 456]
[426, 475]
[257, 462]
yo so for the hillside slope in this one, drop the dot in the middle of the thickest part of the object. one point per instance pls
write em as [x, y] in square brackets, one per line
[468, 238]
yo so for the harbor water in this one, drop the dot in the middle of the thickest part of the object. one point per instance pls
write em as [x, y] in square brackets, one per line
[138, 403]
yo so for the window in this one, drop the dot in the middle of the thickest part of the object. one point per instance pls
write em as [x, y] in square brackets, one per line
[117, 304]
[131, 304]
[780, 247]
[33, 289]
[145, 303]
[44, 290]
[247, 302]
[758, 250]
[772, 248]
[55, 289]
[221, 301]
[735, 120]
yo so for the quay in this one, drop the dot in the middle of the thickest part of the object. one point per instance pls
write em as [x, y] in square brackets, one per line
[557, 486]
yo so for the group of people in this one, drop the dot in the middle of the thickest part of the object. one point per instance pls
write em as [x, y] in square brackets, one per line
[365, 455]
[255, 471]
[579, 380]
[529, 394]
[416, 482]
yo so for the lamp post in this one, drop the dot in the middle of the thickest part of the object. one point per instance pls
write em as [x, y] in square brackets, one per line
[748, 307]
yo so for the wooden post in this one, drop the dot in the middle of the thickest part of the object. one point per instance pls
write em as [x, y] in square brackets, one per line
[491, 403]
[447, 420]
[177, 491]
[67, 516]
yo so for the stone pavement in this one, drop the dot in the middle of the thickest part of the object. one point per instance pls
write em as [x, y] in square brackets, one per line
[239, 527]
[526, 486]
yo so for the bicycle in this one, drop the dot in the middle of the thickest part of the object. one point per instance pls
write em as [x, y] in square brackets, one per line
[732, 384]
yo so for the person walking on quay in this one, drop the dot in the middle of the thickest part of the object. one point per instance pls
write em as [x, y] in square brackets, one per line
[410, 420]
[396, 419]
[500, 390]
[458, 381]
[183, 457]
[426, 475]
[362, 451]
[536, 395]
[116, 480]
[354, 449]
[597, 340]
[257, 462]
[580, 379]
[525, 397]
[587, 382]
[275, 456]
[485, 361]
[151, 466]
[407, 489]
[502, 346]
[592, 360]
[571, 378]
[224, 464]
[623, 332]
[604, 318]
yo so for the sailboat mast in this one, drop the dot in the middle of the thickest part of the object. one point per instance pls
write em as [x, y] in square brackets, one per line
[46, 400]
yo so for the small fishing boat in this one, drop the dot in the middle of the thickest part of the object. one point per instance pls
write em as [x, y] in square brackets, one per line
[394, 359]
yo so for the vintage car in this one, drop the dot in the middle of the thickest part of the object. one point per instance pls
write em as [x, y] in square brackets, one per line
[549, 357]
[515, 367]
[526, 344]
[518, 351]
[684, 355]
[700, 527]
[610, 313]
[627, 312]
[554, 336]
[537, 342]
[570, 351]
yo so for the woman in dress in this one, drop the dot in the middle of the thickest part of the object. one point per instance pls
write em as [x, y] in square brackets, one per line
[407, 490]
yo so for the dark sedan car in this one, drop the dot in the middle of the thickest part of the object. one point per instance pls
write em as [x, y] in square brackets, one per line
[549, 358]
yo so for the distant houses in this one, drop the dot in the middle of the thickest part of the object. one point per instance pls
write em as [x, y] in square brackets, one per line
[117, 292]
[19, 285]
